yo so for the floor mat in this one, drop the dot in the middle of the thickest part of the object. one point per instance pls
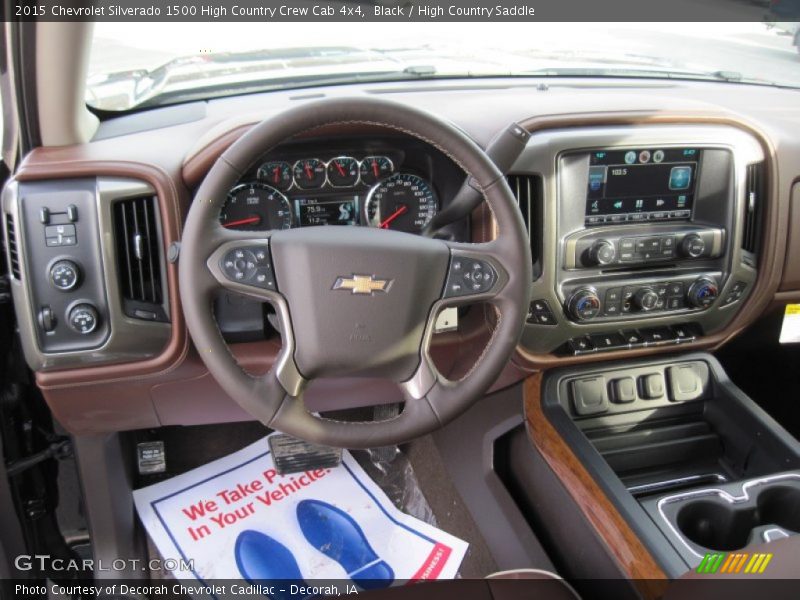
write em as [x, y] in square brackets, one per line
[237, 517]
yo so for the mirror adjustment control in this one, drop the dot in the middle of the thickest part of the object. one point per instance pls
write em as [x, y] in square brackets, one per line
[584, 304]
[83, 318]
[65, 275]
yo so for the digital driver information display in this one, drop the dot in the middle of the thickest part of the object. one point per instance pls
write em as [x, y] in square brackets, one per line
[649, 184]
[339, 210]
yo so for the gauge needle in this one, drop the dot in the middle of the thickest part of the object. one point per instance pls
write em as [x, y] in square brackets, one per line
[277, 172]
[246, 221]
[375, 167]
[339, 168]
[402, 210]
[309, 174]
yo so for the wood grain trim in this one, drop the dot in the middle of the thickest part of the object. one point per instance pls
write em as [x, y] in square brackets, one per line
[774, 240]
[173, 203]
[633, 558]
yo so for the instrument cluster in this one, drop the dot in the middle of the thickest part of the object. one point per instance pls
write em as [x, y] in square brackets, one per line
[340, 191]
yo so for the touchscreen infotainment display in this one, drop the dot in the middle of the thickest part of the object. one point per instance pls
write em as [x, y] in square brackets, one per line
[646, 184]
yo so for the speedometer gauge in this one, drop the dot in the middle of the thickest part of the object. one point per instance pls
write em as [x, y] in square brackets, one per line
[403, 202]
[256, 207]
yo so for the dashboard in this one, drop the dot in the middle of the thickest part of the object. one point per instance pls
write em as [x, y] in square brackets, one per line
[654, 223]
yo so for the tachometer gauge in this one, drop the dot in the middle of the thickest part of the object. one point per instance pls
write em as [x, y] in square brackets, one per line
[277, 173]
[309, 173]
[403, 202]
[375, 168]
[343, 171]
[256, 207]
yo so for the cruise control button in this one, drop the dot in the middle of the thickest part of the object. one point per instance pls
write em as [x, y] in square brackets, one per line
[469, 276]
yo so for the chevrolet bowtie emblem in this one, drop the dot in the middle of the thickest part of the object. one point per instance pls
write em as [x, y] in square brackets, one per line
[362, 284]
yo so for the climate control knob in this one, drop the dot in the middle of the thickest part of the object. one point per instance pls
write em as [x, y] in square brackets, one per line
[702, 293]
[693, 246]
[645, 299]
[83, 318]
[65, 275]
[602, 252]
[584, 304]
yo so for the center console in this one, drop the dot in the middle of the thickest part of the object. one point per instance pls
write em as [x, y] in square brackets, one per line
[692, 465]
[648, 234]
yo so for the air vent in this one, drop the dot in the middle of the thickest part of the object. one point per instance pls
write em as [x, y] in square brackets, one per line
[138, 244]
[753, 207]
[13, 251]
[527, 191]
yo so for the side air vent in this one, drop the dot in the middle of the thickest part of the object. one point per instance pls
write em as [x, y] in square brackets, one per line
[13, 250]
[138, 245]
[753, 208]
[527, 189]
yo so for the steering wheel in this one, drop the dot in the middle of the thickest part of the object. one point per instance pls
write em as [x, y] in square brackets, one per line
[354, 301]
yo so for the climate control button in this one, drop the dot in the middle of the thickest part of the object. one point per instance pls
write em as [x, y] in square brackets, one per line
[646, 299]
[83, 318]
[702, 293]
[584, 304]
[65, 275]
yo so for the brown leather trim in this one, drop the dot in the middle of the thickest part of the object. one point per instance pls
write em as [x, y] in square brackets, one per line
[771, 255]
[173, 202]
[633, 558]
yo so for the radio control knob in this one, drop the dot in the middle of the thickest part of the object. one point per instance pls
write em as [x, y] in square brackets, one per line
[602, 252]
[584, 304]
[83, 318]
[645, 299]
[693, 246]
[702, 293]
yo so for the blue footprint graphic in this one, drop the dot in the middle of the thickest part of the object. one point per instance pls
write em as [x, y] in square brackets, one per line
[261, 558]
[334, 533]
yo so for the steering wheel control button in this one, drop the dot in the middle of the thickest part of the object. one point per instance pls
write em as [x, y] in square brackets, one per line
[65, 275]
[539, 313]
[469, 276]
[250, 265]
[589, 396]
[83, 318]
[623, 390]
[652, 386]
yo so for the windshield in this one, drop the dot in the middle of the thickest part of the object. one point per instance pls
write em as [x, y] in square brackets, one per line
[145, 64]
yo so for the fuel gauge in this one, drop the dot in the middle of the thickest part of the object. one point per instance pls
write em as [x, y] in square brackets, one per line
[276, 173]
[375, 168]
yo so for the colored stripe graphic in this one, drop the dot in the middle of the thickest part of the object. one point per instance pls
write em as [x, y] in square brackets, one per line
[734, 562]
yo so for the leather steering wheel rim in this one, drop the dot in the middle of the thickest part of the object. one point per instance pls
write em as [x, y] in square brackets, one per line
[275, 399]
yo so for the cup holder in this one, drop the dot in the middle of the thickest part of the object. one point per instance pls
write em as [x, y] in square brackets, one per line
[716, 524]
